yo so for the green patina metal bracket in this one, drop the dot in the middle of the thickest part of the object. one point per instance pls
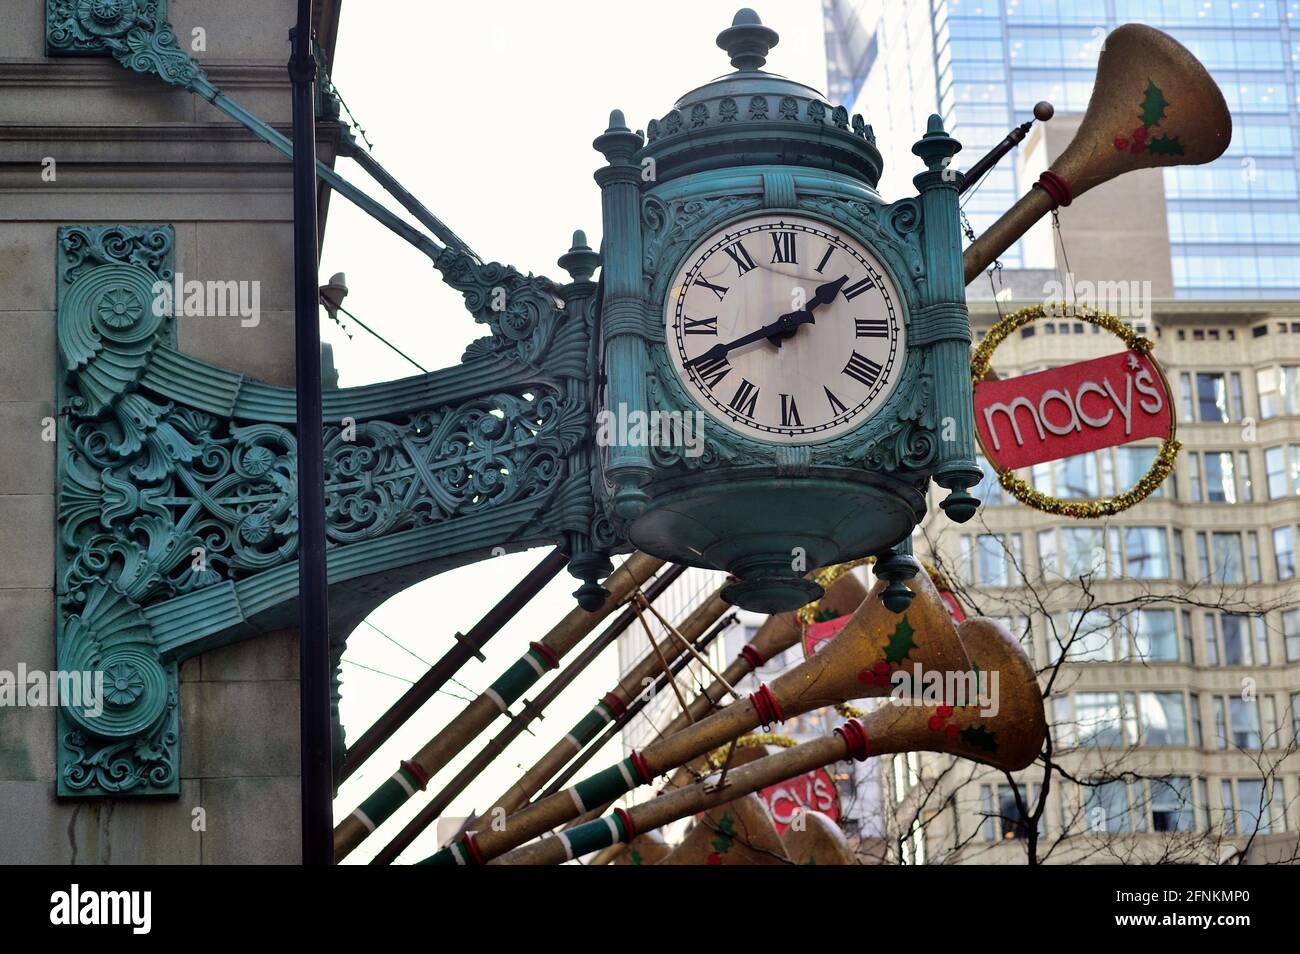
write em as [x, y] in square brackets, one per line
[177, 513]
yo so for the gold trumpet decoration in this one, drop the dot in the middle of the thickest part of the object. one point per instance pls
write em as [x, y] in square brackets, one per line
[860, 661]
[1153, 104]
[1008, 734]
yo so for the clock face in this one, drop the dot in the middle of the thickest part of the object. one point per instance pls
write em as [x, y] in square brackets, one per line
[785, 329]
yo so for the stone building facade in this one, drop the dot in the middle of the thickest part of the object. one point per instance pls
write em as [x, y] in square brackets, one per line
[83, 141]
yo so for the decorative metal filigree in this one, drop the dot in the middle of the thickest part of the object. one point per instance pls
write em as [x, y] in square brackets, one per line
[178, 515]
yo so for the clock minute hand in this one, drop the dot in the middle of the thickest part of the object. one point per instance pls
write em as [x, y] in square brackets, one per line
[825, 294]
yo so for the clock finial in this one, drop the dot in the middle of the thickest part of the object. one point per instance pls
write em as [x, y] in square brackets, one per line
[747, 40]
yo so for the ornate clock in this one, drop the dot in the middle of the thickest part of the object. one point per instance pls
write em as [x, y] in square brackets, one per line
[753, 280]
[785, 329]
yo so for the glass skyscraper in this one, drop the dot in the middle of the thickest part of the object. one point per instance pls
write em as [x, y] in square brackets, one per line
[1234, 224]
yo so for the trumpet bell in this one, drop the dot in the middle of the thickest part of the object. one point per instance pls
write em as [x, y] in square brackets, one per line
[1153, 104]
[994, 716]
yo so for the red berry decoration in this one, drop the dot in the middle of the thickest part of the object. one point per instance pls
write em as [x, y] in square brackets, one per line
[881, 668]
[1121, 143]
[935, 723]
[952, 731]
[1137, 148]
[715, 858]
[867, 677]
[1140, 134]
[944, 711]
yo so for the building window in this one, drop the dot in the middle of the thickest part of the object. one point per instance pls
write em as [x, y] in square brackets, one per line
[988, 490]
[997, 558]
[1284, 552]
[1171, 804]
[1076, 477]
[1155, 635]
[1147, 550]
[1282, 470]
[1203, 794]
[1291, 634]
[1220, 558]
[1098, 718]
[1106, 807]
[1194, 704]
[1220, 477]
[1279, 391]
[1235, 640]
[1254, 808]
[1211, 398]
[1131, 465]
[1009, 823]
[1163, 718]
[1243, 716]
[1229, 807]
[1295, 718]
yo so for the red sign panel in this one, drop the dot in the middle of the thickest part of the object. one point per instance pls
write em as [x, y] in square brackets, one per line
[815, 634]
[813, 790]
[954, 608]
[1071, 410]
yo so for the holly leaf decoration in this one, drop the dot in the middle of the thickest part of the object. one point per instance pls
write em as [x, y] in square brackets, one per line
[978, 737]
[1153, 106]
[901, 643]
[1166, 146]
[726, 833]
[636, 857]
[825, 616]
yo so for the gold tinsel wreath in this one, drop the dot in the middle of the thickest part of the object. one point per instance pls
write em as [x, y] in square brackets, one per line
[1079, 509]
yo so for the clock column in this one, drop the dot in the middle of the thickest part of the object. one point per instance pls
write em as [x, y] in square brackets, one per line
[623, 309]
[942, 323]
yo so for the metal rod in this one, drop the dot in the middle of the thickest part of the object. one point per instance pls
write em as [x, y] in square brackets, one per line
[409, 202]
[313, 593]
[640, 703]
[430, 812]
[1042, 112]
[465, 648]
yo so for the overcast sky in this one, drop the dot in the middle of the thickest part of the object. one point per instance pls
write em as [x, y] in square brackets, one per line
[486, 112]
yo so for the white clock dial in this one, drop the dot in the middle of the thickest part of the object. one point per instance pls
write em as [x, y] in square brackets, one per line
[785, 329]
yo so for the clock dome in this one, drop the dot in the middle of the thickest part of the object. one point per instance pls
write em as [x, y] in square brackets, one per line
[753, 117]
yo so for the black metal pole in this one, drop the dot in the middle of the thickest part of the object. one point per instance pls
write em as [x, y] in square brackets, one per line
[313, 605]
[520, 721]
[467, 647]
[637, 705]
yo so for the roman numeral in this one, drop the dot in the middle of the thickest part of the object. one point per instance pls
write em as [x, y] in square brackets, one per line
[718, 290]
[870, 327]
[740, 255]
[789, 413]
[745, 399]
[830, 250]
[783, 248]
[837, 406]
[701, 326]
[857, 288]
[712, 371]
[862, 369]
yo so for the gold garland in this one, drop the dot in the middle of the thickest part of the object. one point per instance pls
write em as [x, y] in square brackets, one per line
[719, 755]
[824, 578]
[1079, 509]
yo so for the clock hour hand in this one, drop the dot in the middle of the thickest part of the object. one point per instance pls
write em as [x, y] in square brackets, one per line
[823, 295]
[786, 324]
